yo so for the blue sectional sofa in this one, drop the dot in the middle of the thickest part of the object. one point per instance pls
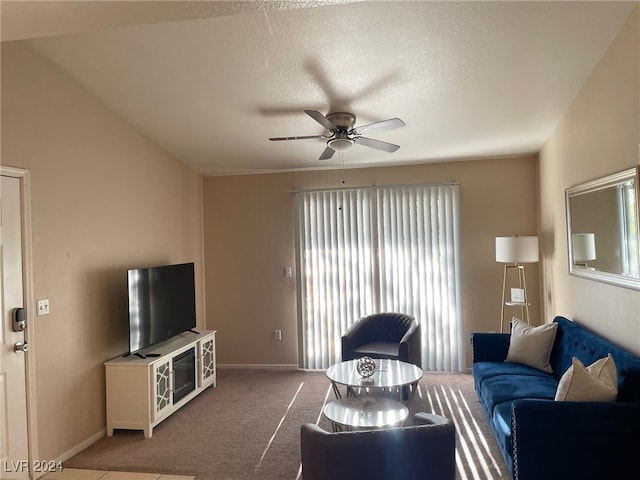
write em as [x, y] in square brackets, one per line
[544, 439]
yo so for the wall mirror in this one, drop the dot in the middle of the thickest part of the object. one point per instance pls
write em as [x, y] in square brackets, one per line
[602, 228]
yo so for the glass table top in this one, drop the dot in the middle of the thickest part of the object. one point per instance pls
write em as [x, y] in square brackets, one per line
[366, 412]
[388, 374]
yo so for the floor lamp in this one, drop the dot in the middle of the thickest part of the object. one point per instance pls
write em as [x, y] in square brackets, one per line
[514, 251]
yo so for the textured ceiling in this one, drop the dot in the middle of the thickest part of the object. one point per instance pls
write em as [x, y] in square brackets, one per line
[211, 81]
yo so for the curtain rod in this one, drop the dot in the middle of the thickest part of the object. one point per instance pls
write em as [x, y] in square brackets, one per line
[373, 187]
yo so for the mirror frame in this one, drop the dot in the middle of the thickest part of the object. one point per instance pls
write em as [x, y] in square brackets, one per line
[591, 186]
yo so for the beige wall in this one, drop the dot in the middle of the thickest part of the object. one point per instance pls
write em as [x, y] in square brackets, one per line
[599, 135]
[104, 199]
[249, 238]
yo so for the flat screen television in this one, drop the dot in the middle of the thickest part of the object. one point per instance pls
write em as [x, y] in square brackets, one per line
[162, 303]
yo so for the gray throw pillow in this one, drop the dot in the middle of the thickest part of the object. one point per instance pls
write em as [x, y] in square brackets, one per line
[531, 345]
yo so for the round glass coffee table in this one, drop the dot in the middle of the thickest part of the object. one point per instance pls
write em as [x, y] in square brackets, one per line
[365, 412]
[391, 375]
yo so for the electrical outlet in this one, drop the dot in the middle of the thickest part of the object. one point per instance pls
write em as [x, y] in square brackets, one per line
[278, 334]
[287, 272]
[43, 306]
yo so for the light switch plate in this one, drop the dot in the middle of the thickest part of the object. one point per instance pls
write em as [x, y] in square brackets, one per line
[43, 307]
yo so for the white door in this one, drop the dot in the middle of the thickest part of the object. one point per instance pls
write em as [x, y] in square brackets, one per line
[13, 402]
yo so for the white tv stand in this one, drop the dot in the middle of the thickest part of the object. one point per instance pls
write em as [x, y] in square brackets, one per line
[140, 391]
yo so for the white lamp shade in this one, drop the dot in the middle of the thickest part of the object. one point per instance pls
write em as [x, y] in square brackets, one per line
[584, 247]
[517, 249]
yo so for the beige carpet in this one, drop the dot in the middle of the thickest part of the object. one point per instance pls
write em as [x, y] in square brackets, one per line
[248, 429]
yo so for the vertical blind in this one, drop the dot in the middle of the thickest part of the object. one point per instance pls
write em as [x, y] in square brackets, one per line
[378, 249]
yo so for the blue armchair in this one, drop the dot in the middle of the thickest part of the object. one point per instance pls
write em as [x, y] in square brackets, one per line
[384, 335]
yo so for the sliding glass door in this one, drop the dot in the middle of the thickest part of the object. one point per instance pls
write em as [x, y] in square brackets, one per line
[369, 250]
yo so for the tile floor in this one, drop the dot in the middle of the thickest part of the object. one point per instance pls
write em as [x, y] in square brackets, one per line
[77, 474]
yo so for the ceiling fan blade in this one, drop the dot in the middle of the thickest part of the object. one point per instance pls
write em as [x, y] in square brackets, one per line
[370, 142]
[306, 137]
[379, 126]
[327, 154]
[321, 119]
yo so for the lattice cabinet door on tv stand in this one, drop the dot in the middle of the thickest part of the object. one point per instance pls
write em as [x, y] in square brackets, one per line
[142, 392]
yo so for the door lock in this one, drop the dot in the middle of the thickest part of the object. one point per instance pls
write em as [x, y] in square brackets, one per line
[19, 319]
[21, 347]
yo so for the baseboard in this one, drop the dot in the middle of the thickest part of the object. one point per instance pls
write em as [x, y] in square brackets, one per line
[260, 366]
[78, 448]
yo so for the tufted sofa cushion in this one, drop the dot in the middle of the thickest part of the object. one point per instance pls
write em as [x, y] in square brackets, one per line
[572, 340]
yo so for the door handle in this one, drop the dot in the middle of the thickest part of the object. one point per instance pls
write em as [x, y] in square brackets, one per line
[21, 347]
[19, 319]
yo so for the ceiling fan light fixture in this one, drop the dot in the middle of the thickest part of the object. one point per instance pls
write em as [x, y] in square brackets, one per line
[341, 143]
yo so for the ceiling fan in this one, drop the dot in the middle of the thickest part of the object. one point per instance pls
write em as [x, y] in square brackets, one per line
[343, 134]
